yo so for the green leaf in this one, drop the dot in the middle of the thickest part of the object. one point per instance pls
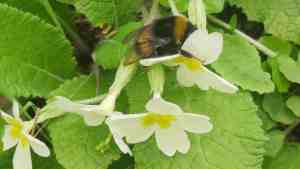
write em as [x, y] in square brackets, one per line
[214, 6]
[75, 144]
[182, 5]
[236, 141]
[82, 87]
[110, 52]
[6, 159]
[290, 68]
[275, 105]
[268, 123]
[2, 123]
[293, 103]
[288, 158]
[240, 64]
[275, 142]
[281, 19]
[35, 57]
[117, 12]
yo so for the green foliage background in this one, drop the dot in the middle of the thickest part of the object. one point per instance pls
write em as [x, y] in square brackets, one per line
[47, 46]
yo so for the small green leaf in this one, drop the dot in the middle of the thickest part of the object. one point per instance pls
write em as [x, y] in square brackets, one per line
[240, 64]
[75, 144]
[275, 105]
[293, 103]
[182, 5]
[214, 6]
[109, 52]
[275, 142]
[287, 158]
[290, 68]
[35, 57]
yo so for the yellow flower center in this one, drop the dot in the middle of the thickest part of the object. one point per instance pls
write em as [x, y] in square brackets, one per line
[164, 121]
[16, 132]
[191, 63]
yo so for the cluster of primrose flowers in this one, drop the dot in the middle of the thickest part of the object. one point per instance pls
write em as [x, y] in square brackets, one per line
[166, 120]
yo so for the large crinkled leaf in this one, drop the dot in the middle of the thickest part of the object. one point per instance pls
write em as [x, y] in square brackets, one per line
[75, 144]
[35, 57]
[6, 159]
[275, 142]
[240, 64]
[281, 17]
[287, 158]
[109, 52]
[34, 7]
[236, 141]
[115, 12]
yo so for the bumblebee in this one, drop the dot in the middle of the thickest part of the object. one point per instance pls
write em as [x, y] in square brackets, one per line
[162, 37]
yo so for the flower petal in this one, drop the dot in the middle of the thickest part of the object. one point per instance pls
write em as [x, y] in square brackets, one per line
[185, 76]
[206, 47]
[22, 157]
[171, 139]
[92, 118]
[195, 123]
[207, 78]
[6, 117]
[38, 147]
[131, 127]
[119, 141]
[159, 105]
[152, 61]
[15, 109]
[7, 139]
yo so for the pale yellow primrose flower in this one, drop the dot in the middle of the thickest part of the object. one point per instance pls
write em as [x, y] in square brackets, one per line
[164, 119]
[17, 133]
[192, 71]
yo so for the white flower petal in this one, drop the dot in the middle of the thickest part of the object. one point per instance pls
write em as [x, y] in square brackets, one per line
[152, 61]
[185, 76]
[206, 79]
[171, 140]
[38, 147]
[92, 118]
[119, 141]
[131, 127]
[7, 139]
[161, 106]
[195, 123]
[22, 157]
[6, 117]
[206, 47]
[15, 110]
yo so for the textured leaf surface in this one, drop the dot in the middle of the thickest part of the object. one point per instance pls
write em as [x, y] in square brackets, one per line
[281, 18]
[115, 12]
[275, 142]
[75, 144]
[110, 52]
[288, 158]
[240, 64]
[236, 141]
[27, 65]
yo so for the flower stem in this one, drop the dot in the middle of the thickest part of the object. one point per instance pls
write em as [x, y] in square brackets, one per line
[51, 12]
[94, 100]
[173, 7]
[156, 78]
[292, 127]
[257, 44]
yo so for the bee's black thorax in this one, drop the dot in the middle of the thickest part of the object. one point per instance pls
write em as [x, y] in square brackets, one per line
[163, 37]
